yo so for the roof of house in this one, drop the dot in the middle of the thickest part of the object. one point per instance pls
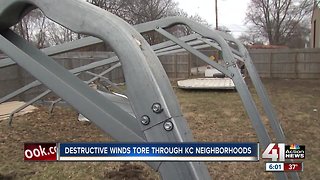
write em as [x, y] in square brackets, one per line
[267, 47]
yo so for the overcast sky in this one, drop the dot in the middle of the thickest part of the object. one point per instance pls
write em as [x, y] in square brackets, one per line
[231, 13]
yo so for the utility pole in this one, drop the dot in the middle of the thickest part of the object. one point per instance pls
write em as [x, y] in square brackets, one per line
[216, 14]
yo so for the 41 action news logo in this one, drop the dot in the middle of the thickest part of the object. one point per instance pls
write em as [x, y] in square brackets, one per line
[280, 152]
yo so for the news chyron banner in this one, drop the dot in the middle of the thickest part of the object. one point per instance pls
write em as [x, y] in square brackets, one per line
[141, 152]
[284, 157]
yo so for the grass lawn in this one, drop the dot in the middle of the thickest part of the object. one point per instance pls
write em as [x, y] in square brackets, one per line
[212, 115]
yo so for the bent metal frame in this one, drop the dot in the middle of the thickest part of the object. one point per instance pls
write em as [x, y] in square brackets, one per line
[156, 113]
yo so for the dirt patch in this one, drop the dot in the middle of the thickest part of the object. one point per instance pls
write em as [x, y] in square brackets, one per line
[132, 171]
[212, 116]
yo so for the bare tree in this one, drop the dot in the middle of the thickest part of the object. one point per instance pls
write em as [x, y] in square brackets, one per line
[43, 32]
[117, 7]
[300, 36]
[250, 39]
[30, 26]
[277, 20]
[140, 11]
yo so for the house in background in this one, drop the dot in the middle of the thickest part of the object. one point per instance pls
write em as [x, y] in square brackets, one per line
[315, 26]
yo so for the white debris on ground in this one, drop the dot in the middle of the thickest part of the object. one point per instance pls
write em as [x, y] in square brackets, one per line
[8, 107]
[206, 83]
[212, 72]
[81, 118]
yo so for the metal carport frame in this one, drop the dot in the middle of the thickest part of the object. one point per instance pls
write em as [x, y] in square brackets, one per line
[147, 89]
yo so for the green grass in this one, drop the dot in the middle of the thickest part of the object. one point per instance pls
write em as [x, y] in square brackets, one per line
[212, 116]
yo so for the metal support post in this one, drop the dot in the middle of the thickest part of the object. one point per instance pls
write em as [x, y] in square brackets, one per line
[149, 91]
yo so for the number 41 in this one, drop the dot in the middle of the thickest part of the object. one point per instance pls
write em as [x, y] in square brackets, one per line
[274, 152]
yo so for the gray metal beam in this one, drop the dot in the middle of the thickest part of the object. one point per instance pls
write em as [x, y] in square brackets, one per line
[27, 104]
[49, 91]
[70, 88]
[122, 102]
[74, 71]
[19, 91]
[230, 61]
[159, 46]
[144, 88]
[171, 45]
[81, 69]
[73, 90]
[215, 45]
[228, 58]
[150, 80]
[104, 79]
[78, 43]
[58, 49]
[176, 47]
[262, 93]
[88, 41]
[194, 51]
[91, 80]
[181, 50]
[93, 65]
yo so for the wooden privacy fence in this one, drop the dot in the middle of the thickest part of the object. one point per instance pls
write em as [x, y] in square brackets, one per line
[284, 63]
[177, 66]
[14, 77]
[270, 63]
[287, 63]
